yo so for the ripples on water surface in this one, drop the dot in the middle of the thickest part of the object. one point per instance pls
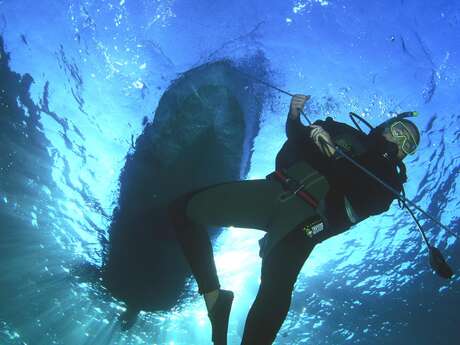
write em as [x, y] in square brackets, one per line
[79, 80]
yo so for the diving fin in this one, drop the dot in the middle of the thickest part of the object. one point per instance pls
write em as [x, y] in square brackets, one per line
[438, 264]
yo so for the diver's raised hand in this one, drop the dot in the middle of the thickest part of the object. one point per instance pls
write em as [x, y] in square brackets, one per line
[297, 104]
[322, 139]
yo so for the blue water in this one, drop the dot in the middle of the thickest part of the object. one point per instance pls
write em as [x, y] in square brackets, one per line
[104, 66]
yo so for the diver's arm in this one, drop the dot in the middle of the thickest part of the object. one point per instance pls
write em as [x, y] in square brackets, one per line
[295, 130]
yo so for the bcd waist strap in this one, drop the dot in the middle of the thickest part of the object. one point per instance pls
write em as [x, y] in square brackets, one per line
[293, 186]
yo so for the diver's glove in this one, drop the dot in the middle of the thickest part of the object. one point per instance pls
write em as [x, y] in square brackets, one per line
[296, 106]
[323, 140]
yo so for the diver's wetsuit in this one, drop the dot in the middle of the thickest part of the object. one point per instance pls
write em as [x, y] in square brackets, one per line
[254, 204]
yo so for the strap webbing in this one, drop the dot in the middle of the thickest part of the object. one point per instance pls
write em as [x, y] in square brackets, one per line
[307, 197]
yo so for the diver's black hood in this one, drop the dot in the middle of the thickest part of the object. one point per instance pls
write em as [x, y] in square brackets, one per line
[389, 150]
[378, 143]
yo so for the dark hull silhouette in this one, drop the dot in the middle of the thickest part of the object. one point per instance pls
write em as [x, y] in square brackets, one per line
[202, 134]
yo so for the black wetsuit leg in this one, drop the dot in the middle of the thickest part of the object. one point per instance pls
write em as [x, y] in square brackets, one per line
[250, 204]
[279, 273]
[244, 204]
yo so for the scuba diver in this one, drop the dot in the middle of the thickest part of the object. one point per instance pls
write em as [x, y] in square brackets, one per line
[313, 194]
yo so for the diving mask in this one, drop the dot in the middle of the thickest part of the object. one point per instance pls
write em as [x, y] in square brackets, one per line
[404, 137]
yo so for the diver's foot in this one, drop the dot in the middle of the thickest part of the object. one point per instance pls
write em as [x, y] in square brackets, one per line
[219, 316]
